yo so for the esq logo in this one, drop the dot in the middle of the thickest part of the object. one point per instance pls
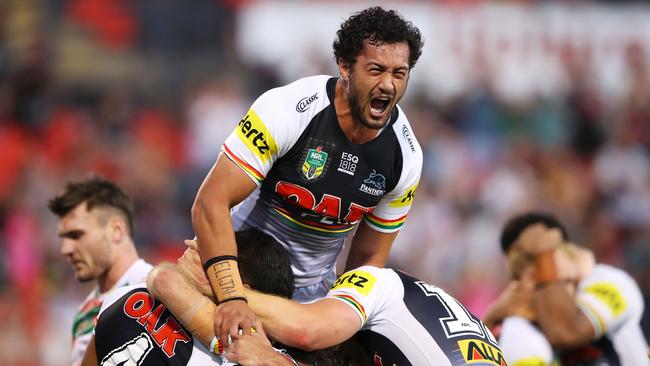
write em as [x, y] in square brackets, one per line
[139, 306]
[348, 163]
[304, 103]
[256, 136]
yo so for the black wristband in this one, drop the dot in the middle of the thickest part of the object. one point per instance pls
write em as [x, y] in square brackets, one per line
[218, 259]
[233, 299]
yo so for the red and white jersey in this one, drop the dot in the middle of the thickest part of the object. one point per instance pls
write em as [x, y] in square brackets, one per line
[86, 317]
[405, 321]
[613, 302]
[523, 344]
[314, 184]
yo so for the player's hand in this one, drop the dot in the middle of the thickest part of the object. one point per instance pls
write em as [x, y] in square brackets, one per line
[255, 349]
[233, 316]
[537, 239]
[190, 265]
[516, 299]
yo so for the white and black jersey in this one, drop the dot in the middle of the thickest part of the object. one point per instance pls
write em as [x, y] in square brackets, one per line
[406, 321]
[136, 329]
[314, 184]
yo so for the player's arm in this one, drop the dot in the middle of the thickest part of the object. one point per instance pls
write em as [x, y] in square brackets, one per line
[369, 247]
[318, 325]
[376, 233]
[563, 323]
[556, 310]
[90, 357]
[225, 186]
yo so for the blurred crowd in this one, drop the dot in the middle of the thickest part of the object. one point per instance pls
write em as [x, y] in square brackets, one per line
[144, 94]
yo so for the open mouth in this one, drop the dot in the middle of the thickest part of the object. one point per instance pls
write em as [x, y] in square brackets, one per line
[378, 106]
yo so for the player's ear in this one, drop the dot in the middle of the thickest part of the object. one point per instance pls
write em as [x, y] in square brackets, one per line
[344, 69]
[117, 229]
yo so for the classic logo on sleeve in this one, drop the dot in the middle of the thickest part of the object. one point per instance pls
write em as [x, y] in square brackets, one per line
[406, 199]
[252, 131]
[610, 295]
[361, 281]
[478, 352]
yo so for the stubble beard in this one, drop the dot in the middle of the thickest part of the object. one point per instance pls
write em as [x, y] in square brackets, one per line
[357, 111]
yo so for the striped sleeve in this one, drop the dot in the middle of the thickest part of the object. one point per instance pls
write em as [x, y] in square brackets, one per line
[392, 210]
[359, 289]
[603, 300]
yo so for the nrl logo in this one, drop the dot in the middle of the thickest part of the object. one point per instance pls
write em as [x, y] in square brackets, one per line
[314, 163]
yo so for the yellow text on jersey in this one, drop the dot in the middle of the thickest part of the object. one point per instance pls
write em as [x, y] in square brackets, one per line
[406, 199]
[477, 351]
[252, 132]
[610, 295]
[360, 281]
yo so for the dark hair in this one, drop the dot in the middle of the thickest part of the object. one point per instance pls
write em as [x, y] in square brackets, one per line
[96, 192]
[516, 225]
[263, 263]
[322, 357]
[378, 26]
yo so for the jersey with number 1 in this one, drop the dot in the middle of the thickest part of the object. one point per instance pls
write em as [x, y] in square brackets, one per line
[406, 321]
[314, 184]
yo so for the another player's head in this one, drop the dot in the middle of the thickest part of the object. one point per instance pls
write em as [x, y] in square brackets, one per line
[96, 224]
[376, 50]
[571, 260]
[516, 225]
[263, 263]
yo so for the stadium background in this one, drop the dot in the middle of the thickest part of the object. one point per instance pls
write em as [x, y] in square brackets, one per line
[517, 105]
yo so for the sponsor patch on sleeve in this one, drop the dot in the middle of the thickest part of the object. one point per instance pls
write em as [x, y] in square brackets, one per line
[610, 295]
[406, 199]
[475, 351]
[361, 281]
[252, 132]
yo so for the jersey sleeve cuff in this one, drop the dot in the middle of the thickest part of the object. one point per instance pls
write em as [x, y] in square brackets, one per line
[384, 225]
[594, 317]
[251, 172]
[352, 303]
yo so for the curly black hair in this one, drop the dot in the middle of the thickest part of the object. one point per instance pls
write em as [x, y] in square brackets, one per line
[516, 225]
[378, 26]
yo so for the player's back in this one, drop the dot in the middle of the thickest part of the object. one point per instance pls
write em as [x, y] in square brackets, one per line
[409, 322]
[135, 328]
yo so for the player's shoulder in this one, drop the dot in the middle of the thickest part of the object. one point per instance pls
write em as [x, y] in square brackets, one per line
[366, 278]
[404, 132]
[523, 343]
[117, 293]
[604, 273]
[614, 287]
[299, 96]
[137, 272]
